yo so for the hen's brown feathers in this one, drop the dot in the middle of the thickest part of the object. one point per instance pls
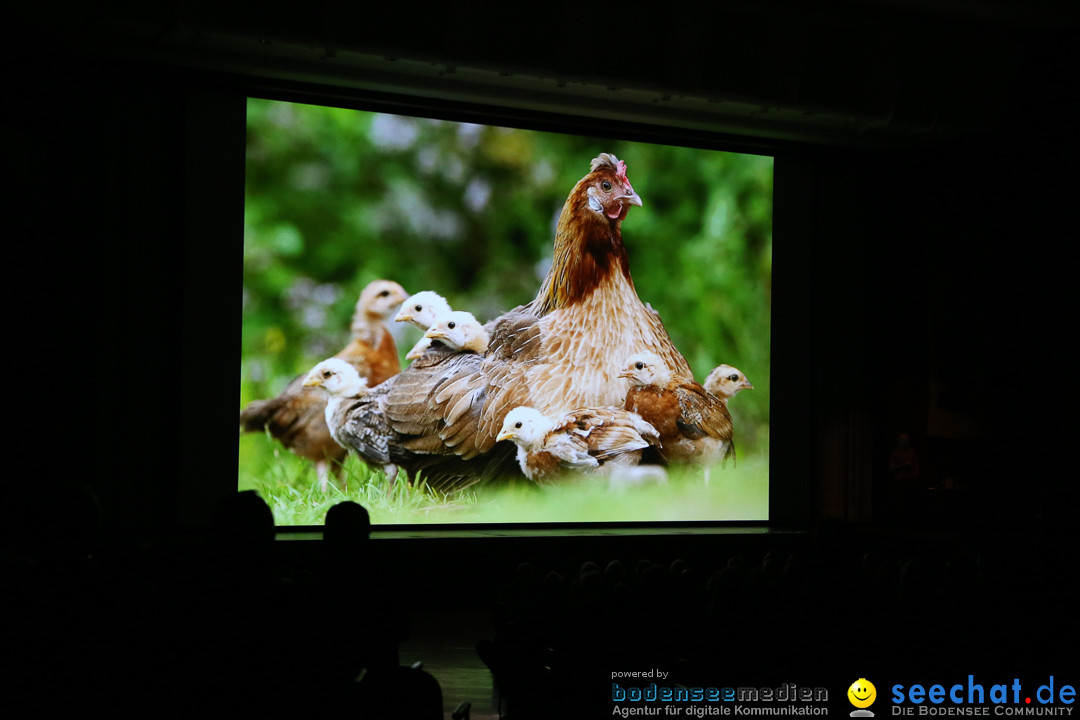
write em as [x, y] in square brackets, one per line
[425, 405]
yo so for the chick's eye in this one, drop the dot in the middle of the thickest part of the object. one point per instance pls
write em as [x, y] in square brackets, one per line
[326, 373]
[639, 365]
[517, 425]
[606, 185]
[451, 325]
[732, 378]
[418, 308]
[384, 293]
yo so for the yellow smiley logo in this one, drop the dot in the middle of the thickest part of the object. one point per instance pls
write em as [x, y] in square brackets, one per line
[862, 693]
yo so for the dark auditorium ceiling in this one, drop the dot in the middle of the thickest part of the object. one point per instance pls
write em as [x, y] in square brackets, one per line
[857, 73]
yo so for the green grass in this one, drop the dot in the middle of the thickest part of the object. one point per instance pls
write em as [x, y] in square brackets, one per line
[289, 485]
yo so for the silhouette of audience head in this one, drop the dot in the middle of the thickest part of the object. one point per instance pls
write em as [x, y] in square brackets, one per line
[347, 523]
[243, 519]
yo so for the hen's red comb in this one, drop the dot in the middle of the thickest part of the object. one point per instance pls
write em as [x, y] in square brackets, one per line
[620, 172]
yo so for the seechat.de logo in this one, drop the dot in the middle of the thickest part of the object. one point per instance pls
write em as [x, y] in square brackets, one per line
[973, 698]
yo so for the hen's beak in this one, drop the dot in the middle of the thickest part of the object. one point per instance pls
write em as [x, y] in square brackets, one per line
[632, 198]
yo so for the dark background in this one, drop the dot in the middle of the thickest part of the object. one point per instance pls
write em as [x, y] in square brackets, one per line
[926, 159]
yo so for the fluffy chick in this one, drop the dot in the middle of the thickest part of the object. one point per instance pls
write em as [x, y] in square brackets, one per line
[726, 381]
[693, 424]
[585, 440]
[348, 413]
[372, 350]
[461, 332]
[422, 310]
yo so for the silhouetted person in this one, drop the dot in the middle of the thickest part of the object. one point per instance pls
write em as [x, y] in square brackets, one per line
[348, 525]
[364, 599]
[360, 621]
[243, 520]
[238, 657]
[905, 485]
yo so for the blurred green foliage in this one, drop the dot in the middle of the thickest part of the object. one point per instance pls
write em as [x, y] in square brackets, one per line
[336, 198]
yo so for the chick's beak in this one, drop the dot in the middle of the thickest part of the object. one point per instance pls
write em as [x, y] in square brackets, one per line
[312, 380]
[435, 334]
[626, 374]
[504, 435]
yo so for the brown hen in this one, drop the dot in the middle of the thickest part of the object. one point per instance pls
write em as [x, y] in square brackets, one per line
[560, 352]
[296, 417]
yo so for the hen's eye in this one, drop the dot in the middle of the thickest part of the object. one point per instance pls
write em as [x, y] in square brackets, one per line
[451, 325]
[606, 185]
[517, 424]
[639, 365]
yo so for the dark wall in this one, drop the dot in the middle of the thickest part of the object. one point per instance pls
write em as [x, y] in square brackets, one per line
[128, 200]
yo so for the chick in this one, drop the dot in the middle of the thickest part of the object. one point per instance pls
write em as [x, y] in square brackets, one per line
[585, 440]
[726, 381]
[461, 332]
[422, 310]
[693, 424]
[352, 414]
[372, 350]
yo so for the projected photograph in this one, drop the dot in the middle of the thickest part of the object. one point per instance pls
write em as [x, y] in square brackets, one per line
[464, 323]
